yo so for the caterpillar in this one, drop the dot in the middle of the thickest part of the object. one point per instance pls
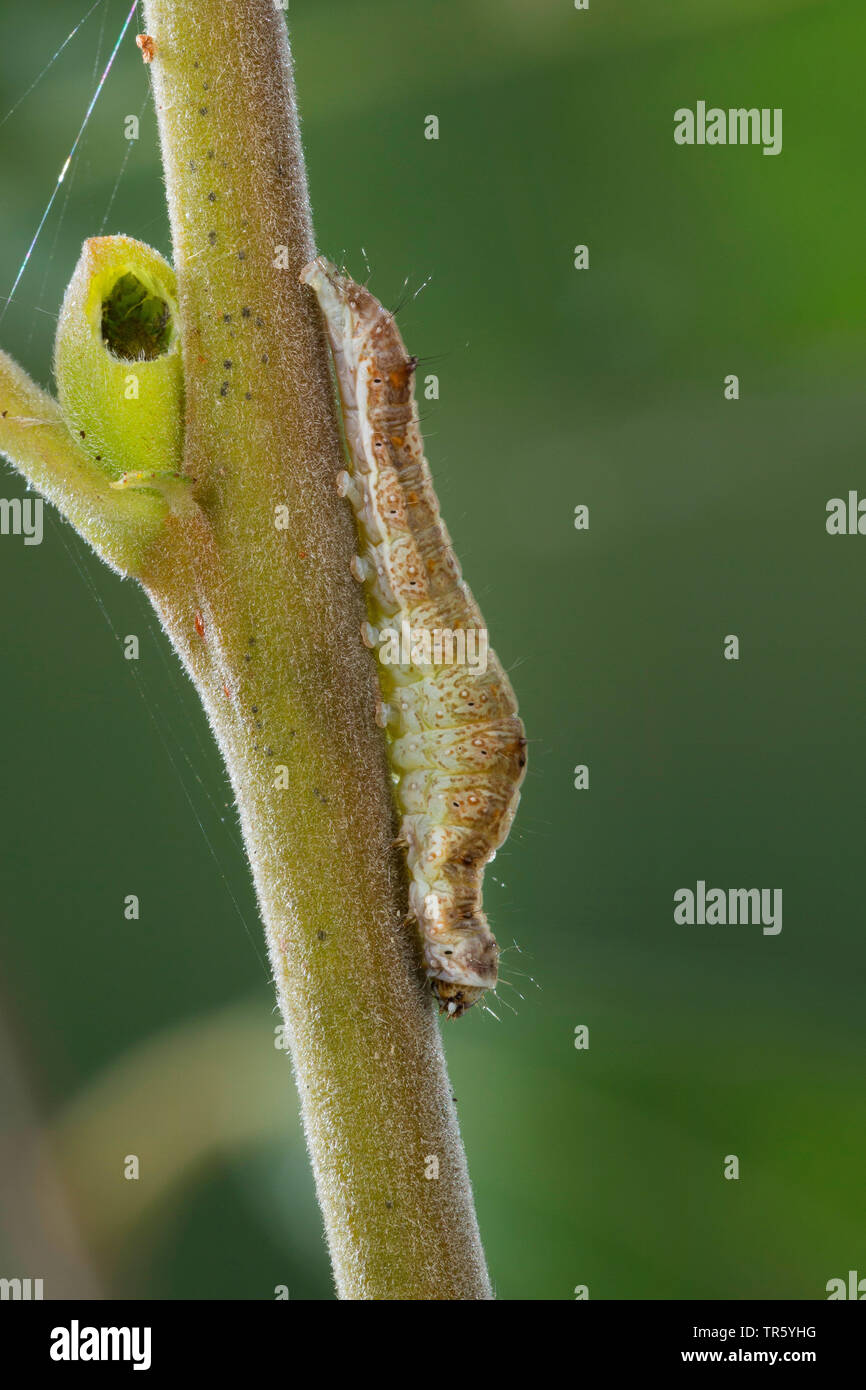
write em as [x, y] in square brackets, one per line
[456, 745]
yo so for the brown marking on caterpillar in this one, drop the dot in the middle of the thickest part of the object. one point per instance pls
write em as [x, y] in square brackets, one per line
[147, 46]
[456, 745]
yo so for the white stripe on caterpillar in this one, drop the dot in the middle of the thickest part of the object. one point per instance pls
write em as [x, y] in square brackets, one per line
[455, 742]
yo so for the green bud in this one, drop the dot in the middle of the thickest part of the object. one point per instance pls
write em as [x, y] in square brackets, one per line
[117, 358]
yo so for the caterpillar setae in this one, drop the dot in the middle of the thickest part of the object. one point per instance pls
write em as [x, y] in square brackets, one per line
[455, 743]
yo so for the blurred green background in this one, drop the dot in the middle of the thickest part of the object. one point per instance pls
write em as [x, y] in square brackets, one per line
[557, 387]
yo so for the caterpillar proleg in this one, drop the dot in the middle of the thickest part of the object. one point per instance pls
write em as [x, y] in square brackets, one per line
[456, 745]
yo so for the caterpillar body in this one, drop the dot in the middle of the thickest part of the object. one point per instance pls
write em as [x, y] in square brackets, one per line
[456, 745]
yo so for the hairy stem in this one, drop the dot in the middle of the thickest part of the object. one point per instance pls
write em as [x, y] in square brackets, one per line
[250, 577]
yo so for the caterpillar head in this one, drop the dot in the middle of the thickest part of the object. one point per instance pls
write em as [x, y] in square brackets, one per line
[453, 999]
[462, 967]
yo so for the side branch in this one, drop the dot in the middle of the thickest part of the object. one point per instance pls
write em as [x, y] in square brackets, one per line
[121, 527]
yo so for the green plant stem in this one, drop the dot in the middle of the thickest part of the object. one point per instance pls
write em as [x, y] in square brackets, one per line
[34, 436]
[267, 620]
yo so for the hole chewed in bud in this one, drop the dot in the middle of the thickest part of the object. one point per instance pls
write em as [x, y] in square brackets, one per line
[136, 322]
[117, 360]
